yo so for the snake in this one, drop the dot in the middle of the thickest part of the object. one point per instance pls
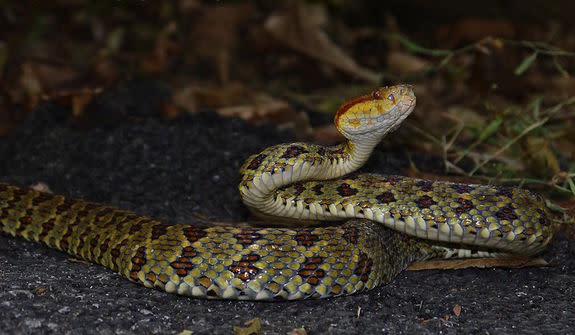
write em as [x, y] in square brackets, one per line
[322, 229]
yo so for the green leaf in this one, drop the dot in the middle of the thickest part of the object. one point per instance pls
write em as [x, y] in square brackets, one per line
[416, 48]
[535, 105]
[571, 185]
[526, 64]
[491, 128]
[560, 68]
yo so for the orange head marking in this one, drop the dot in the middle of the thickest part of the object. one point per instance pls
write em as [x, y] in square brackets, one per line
[380, 111]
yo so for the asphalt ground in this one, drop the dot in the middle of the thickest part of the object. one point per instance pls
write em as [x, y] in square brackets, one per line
[174, 170]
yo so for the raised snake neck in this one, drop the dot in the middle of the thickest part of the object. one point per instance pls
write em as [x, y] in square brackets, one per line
[277, 263]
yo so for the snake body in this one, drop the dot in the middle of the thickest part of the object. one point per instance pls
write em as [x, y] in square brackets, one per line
[306, 184]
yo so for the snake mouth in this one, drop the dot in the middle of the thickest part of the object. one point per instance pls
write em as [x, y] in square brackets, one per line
[407, 99]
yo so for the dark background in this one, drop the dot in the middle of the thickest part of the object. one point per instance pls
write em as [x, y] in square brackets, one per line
[146, 105]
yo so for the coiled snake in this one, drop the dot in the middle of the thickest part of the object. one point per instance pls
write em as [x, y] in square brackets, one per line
[303, 183]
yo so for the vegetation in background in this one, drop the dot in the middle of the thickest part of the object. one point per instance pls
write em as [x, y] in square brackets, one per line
[496, 96]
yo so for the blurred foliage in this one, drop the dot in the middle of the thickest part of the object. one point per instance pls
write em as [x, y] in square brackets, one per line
[495, 87]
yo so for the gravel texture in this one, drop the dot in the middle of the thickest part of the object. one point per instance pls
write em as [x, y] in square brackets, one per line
[172, 170]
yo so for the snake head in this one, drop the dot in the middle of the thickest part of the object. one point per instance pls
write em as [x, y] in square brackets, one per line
[375, 114]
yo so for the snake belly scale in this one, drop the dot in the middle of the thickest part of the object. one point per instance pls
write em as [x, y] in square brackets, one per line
[376, 226]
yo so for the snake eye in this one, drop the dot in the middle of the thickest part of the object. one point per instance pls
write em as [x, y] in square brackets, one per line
[376, 94]
[391, 98]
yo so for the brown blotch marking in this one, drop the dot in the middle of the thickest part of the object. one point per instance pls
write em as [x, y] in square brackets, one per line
[93, 245]
[317, 189]
[462, 188]
[543, 219]
[425, 185]
[104, 246]
[137, 226]
[353, 176]
[337, 152]
[160, 229]
[24, 222]
[392, 180]
[67, 236]
[138, 260]
[183, 264]
[507, 213]
[193, 234]
[425, 201]
[64, 206]
[115, 254]
[102, 211]
[505, 192]
[298, 189]
[82, 239]
[385, 197]
[305, 237]
[345, 190]
[122, 218]
[243, 269]
[117, 220]
[310, 270]
[41, 197]
[351, 234]
[151, 277]
[189, 251]
[363, 268]
[247, 236]
[293, 151]
[256, 162]
[17, 194]
[465, 205]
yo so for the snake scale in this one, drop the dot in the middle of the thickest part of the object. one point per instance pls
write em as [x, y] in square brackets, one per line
[306, 184]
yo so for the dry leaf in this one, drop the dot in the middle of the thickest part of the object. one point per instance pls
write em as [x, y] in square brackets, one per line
[41, 187]
[298, 331]
[401, 63]
[265, 109]
[39, 290]
[474, 29]
[251, 327]
[541, 158]
[215, 34]
[78, 99]
[30, 83]
[236, 100]
[457, 309]
[157, 61]
[477, 263]
[301, 29]
[53, 76]
[169, 110]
